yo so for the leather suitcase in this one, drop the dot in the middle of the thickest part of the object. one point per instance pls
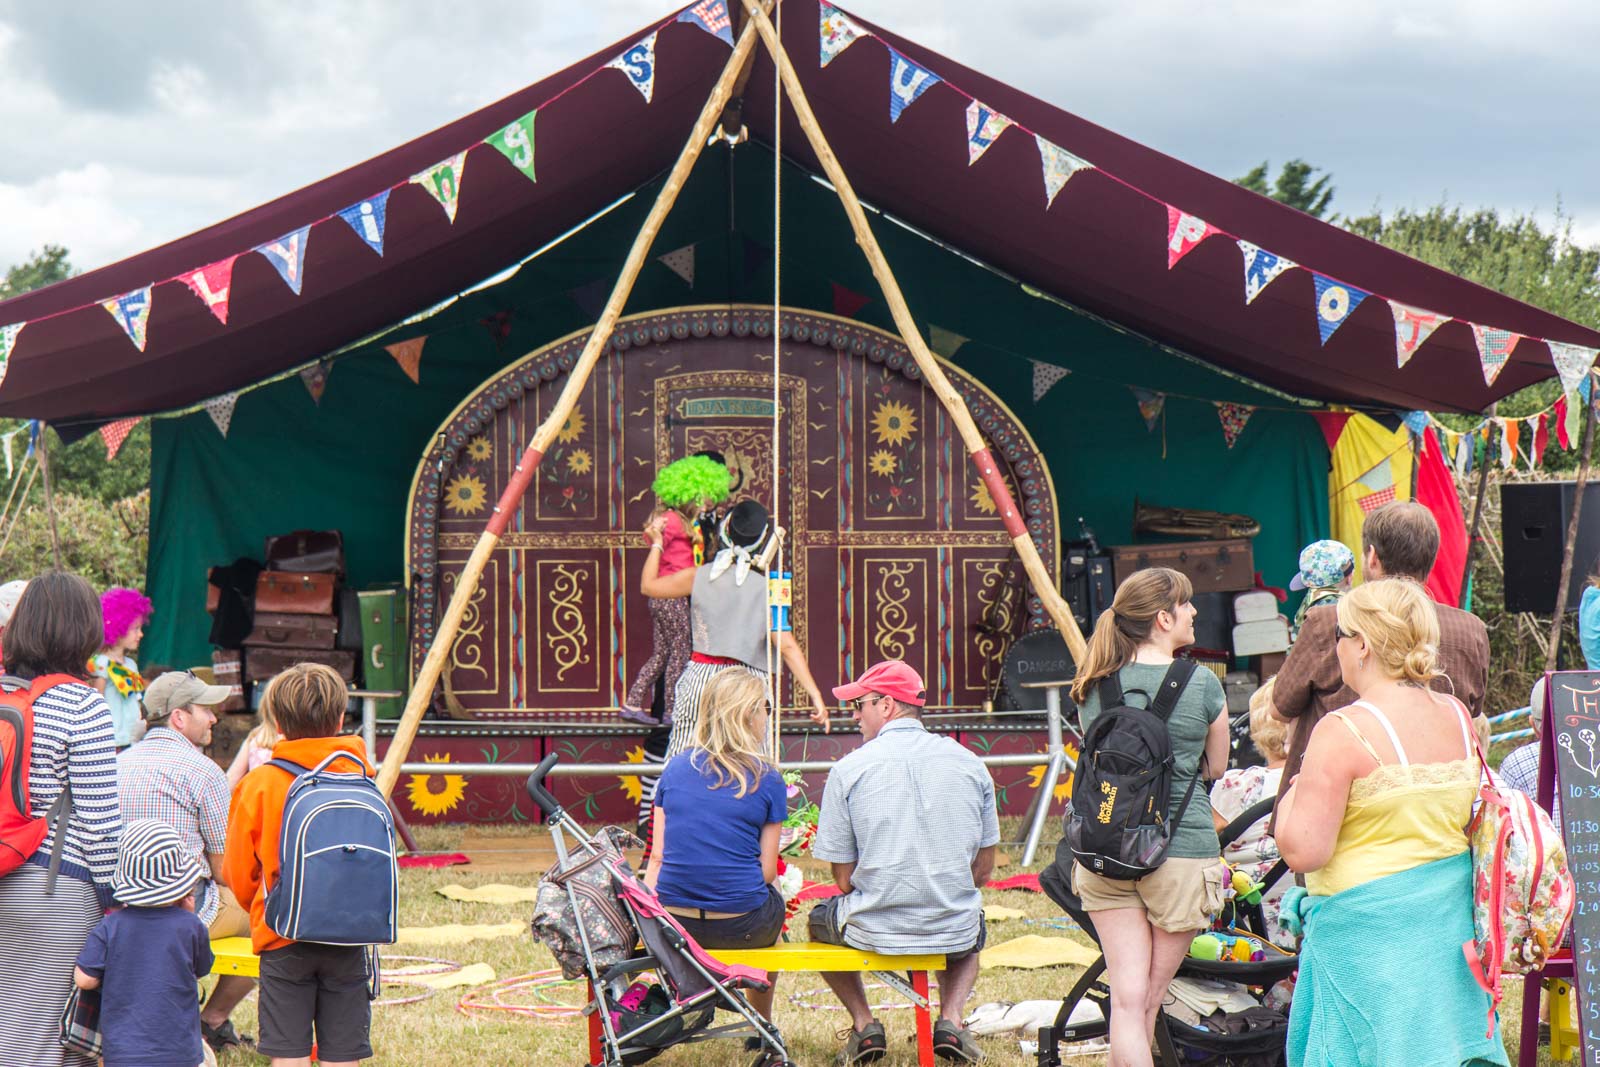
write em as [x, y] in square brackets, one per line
[385, 646]
[227, 668]
[263, 663]
[282, 630]
[1226, 566]
[307, 552]
[278, 592]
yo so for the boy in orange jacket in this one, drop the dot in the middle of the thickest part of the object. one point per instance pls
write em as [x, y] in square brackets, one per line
[301, 983]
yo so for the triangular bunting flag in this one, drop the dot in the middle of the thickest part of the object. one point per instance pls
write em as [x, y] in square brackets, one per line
[680, 261]
[1412, 326]
[1335, 302]
[113, 434]
[639, 64]
[838, 32]
[1184, 233]
[1585, 388]
[943, 341]
[409, 355]
[1151, 404]
[132, 312]
[1462, 447]
[8, 344]
[1045, 375]
[1494, 349]
[1572, 362]
[1380, 477]
[1559, 413]
[907, 81]
[984, 127]
[1416, 422]
[368, 219]
[515, 142]
[711, 16]
[212, 284]
[1260, 269]
[220, 408]
[1233, 417]
[591, 297]
[1539, 434]
[315, 379]
[288, 256]
[443, 182]
[1509, 432]
[847, 302]
[1059, 167]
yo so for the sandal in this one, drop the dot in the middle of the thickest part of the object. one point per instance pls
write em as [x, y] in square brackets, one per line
[950, 1042]
[868, 1045]
[225, 1036]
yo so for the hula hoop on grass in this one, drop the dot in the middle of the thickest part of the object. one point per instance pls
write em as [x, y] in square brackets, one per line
[415, 967]
[539, 985]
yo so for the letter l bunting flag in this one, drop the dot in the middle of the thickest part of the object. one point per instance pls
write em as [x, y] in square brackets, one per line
[907, 82]
[984, 127]
[711, 16]
[211, 284]
[1335, 302]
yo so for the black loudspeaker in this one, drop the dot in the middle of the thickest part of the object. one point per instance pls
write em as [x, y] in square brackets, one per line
[1533, 531]
[1037, 656]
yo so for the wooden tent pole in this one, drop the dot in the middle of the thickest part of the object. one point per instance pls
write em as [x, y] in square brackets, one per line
[49, 493]
[1572, 536]
[1477, 521]
[510, 500]
[977, 448]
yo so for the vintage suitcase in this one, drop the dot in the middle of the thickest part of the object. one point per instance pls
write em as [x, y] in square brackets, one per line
[1255, 606]
[262, 663]
[227, 668]
[275, 629]
[295, 594]
[1226, 566]
[385, 644]
[1261, 638]
[307, 552]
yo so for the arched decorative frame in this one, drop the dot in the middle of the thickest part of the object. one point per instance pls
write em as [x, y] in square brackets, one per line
[885, 508]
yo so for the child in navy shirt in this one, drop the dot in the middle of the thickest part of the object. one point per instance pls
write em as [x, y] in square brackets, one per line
[145, 958]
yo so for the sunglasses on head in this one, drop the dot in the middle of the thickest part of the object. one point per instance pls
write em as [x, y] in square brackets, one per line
[1341, 633]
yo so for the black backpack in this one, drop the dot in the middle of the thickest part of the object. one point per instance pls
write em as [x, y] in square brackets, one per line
[1117, 825]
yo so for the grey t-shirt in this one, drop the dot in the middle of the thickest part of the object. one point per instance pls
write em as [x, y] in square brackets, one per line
[1202, 700]
[911, 810]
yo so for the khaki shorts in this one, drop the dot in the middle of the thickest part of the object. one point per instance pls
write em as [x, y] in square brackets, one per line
[231, 920]
[1182, 895]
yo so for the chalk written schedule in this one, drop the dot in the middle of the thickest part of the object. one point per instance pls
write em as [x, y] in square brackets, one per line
[1572, 735]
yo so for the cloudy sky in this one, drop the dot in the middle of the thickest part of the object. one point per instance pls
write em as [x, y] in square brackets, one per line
[128, 126]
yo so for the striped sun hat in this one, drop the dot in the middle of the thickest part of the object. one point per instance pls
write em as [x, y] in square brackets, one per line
[153, 870]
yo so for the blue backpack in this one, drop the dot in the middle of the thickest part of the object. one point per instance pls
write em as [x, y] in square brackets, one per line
[338, 882]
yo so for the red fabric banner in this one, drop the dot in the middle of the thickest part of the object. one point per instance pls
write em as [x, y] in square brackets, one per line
[1436, 491]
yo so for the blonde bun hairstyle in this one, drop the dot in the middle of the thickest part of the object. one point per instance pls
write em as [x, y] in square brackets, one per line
[1401, 627]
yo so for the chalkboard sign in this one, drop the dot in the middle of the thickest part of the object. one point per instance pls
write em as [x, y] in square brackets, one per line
[1572, 736]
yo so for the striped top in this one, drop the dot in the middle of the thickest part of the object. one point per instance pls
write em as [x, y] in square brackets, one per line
[72, 742]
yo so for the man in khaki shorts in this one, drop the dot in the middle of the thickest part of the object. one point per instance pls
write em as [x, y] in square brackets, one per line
[166, 777]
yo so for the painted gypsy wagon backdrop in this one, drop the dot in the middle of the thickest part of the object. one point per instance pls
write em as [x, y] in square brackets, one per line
[894, 543]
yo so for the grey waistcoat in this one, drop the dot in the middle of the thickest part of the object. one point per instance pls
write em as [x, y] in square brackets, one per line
[730, 620]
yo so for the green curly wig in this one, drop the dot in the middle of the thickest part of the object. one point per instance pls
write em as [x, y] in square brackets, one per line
[689, 481]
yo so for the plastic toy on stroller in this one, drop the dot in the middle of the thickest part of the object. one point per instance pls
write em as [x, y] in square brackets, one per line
[593, 912]
[1179, 1044]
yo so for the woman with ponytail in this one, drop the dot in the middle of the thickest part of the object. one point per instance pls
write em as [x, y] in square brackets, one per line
[1145, 927]
[1375, 821]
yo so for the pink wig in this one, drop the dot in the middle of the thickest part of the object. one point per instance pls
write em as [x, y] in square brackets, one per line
[122, 608]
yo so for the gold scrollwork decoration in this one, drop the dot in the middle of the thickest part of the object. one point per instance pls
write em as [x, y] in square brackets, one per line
[568, 636]
[996, 610]
[466, 652]
[897, 628]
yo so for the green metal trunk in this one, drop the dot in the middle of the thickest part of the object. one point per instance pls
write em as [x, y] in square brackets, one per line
[384, 651]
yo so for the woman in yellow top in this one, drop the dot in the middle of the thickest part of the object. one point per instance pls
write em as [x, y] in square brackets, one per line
[1376, 821]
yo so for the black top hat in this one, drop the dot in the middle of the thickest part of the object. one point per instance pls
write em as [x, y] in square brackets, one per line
[747, 525]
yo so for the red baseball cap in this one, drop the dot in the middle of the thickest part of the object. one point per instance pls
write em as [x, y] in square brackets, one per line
[892, 678]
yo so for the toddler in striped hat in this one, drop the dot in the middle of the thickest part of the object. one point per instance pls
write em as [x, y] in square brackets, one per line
[144, 957]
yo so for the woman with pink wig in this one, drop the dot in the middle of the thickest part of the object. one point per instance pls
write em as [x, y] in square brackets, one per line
[116, 674]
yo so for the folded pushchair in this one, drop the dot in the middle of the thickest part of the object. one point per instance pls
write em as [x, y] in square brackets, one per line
[594, 913]
[1178, 1044]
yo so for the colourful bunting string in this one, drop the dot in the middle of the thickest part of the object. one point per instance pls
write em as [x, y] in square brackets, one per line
[8, 345]
[1494, 349]
[838, 32]
[1045, 376]
[1059, 167]
[1233, 417]
[711, 16]
[1412, 326]
[315, 379]
[1260, 269]
[1335, 302]
[443, 182]
[1463, 451]
[515, 142]
[132, 312]
[1509, 432]
[1563, 437]
[1151, 405]
[1573, 415]
[288, 257]
[984, 128]
[112, 433]
[847, 302]
[907, 82]
[1416, 422]
[220, 408]
[368, 218]
[212, 285]
[1380, 477]
[680, 261]
[639, 64]
[1572, 362]
[1539, 432]
[1184, 233]
[945, 342]
[409, 355]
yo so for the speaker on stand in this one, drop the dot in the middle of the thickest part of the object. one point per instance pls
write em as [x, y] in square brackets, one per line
[1533, 531]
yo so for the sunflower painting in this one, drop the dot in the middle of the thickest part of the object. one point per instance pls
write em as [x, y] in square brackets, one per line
[572, 429]
[982, 499]
[632, 786]
[893, 423]
[436, 794]
[580, 462]
[1063, 789]
[465, 494]
[883, 462]
[479, 449]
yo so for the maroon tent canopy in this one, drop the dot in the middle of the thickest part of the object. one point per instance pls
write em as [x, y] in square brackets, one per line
[1101, 245]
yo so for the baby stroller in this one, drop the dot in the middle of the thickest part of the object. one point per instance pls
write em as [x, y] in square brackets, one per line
[593, 913]
[1178, 1044]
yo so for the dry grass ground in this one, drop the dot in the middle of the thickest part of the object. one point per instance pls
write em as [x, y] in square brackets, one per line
[435, 1033]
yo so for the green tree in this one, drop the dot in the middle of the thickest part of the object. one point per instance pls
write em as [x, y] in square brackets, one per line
[42, 268]
[1294, 186]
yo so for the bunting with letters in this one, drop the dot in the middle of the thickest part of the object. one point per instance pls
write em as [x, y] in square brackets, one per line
[368, 218]
[1261, 268]
[907, 82]
[1572, 362]
[638, 62]
[132, 312]
[1412, 326]
[1335, 302]
[1494, 349]
[211, 284]
[839, 31]
[984, 127]
[711, 16]
[443, 182]
[515, 142]
[1184, 233]
[1059, 167]
[288, 257]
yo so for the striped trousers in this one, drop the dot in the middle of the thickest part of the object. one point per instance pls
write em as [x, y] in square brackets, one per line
[40, 938]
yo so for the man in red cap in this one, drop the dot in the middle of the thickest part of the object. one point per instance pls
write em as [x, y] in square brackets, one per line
[908, 822]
